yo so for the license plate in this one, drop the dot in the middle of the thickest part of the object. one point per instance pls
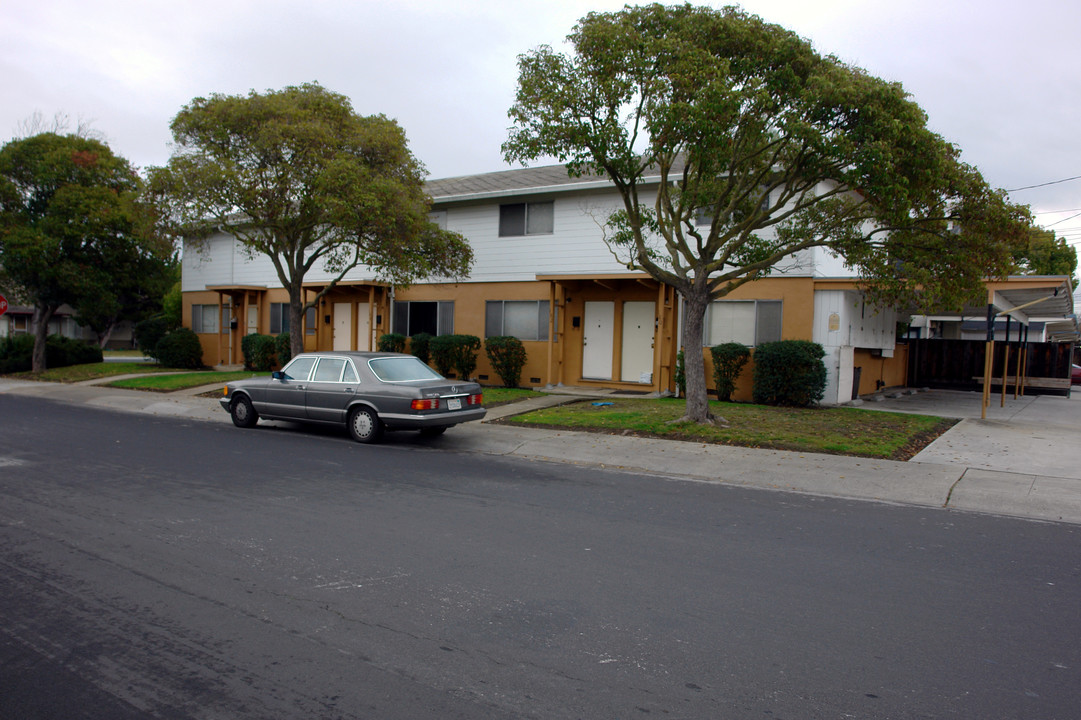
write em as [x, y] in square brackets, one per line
[454, 404]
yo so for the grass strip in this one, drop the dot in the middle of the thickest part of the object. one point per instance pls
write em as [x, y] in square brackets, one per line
[90, 371]
[181, 381]
[837, 431]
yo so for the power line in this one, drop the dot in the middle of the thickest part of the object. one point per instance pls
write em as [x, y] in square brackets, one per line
[1058, 222]
[1053, 182]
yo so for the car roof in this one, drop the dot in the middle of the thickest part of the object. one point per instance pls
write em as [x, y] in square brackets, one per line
[356, 354]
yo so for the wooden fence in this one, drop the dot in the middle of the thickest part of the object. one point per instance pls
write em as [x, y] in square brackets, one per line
[958, 365]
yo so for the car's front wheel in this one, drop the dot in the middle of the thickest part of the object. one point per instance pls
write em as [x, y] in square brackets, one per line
[242, 412]
[365, 425]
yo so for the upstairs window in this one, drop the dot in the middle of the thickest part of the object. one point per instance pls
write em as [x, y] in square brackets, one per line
[519, 219]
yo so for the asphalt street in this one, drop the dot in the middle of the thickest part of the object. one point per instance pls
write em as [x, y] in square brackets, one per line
[173, 568]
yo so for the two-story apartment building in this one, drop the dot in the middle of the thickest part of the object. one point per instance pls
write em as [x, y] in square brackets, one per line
[543, 273]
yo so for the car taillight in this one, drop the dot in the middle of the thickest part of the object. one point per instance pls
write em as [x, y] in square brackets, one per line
[426, 404]
[475, 399]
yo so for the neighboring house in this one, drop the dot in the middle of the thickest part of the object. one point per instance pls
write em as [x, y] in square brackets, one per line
[543, 273]
[18, 321]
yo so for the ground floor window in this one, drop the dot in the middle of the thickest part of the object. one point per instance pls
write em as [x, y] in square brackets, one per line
[747, 322]
[414, 317]
[279, 318]
[205, 319]
[524, 319]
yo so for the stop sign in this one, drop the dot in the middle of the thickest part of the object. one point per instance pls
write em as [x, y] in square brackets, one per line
[3, 305]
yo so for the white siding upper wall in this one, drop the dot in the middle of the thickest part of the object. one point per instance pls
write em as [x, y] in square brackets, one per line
[576, 244]
[220, 260]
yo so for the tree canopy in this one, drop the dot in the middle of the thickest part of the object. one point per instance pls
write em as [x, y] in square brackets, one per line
[298, 176]
[73, 230]
[735, 147]
[1044, 253]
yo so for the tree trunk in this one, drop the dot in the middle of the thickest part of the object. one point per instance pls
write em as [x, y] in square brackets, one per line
[296, 320]
[695, 303]
[40, 322]
[103, 337]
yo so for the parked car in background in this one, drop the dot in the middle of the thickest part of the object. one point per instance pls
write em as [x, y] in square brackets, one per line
[368, 392]
[1075, 375]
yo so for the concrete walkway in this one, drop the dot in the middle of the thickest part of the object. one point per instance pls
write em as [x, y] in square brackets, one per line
[1024, 461]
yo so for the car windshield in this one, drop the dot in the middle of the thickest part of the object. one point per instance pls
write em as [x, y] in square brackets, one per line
[402, 369]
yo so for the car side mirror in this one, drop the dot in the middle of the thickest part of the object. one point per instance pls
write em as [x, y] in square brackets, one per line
[278, 375]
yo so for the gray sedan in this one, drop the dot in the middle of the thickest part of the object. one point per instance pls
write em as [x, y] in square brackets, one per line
[368, 392]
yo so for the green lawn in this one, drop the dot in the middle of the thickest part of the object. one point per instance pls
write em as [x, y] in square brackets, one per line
[502, 396]
[840, 431]
[91, 371]
[180, 381]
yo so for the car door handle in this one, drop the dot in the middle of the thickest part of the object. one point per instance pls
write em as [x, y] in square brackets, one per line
[299, 387]
[348, 390]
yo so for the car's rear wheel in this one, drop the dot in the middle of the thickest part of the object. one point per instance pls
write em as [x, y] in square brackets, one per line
[365, 425]
[433, 431]
[242, 412]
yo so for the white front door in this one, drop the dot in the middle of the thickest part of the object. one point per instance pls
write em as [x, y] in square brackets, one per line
[597, 340]
[638, 326]
[343, 326]
[364, 327]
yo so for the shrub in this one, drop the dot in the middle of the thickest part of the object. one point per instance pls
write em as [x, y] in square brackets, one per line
[728, 362]
[258, 351]
[789, 372]
[180, 349]
[63, 351]
[420, 345]
[680, 375]
[391, 342]
[508, 357]
[457, 352]
[283, 349]
[148, 332]
[16, 353]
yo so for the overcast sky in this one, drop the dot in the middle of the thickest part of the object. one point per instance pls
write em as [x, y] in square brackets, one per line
[999, 79]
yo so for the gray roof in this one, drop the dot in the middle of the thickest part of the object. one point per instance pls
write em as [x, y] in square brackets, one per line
[509, 182]
[526, 181]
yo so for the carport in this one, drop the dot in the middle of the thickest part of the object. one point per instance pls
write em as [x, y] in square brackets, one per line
[1022, 314]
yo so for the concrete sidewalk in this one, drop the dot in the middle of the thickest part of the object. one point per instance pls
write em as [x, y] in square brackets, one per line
[1025, 461]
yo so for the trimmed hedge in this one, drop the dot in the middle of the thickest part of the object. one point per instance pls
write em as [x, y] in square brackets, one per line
[455, 352]
[420, 345]
[507, 355]
[789, 372]
[180, 349]
[259, 351]
[17, 351]
[391, 342]
[728, 362]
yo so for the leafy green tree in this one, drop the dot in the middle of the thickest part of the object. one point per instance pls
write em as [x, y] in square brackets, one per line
[1046, 254]
[140, 283]
[763, 149]
[74, 231]
[296, 175]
